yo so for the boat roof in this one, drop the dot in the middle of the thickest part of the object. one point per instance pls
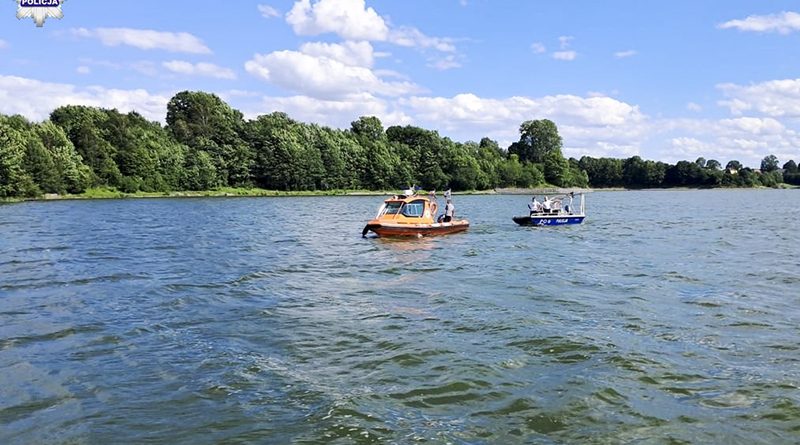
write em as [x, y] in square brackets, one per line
[407, 198]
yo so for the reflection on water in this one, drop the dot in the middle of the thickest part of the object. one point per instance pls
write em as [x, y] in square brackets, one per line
[667, 317]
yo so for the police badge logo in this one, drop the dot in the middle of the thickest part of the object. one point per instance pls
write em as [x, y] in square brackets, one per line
[39, 10]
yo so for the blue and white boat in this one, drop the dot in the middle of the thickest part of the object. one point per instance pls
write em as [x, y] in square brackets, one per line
[554, 210]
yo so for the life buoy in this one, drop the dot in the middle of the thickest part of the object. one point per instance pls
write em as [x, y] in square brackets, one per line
[434, 208]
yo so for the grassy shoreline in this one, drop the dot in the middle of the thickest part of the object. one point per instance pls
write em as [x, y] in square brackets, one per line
[228, 192]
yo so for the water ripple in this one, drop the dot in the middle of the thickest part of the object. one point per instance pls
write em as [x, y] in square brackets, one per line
[225, 321]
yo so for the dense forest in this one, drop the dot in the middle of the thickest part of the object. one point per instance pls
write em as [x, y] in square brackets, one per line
[206, 144]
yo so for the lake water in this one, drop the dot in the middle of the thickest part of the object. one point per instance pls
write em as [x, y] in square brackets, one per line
[667, 317]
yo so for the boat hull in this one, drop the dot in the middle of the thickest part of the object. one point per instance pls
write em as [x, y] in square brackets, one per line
[416, 230]
[548, 220]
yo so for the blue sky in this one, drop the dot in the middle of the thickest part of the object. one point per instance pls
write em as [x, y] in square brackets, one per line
[663, 80]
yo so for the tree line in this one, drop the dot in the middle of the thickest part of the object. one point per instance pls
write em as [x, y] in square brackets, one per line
[206, 144]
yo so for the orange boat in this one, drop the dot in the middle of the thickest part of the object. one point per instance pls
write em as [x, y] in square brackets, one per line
[411, 215]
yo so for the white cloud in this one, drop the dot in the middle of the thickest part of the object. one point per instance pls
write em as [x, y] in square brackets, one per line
[625, 54]
[268, 11]
[350, 19]
[691, 106]
[754, 125]
[322, 77]
[689, 147]
[776, 98]
[450, 61]
[782, 23]
[338, 113]
[48, 96]
[746, 139]
[83, 70]
[538, 48]
[353, 20]
[234, 93]
[412, 37]
[145, 39]
[594, 125]
[145, 67]
[349, 53]
[199, 69]
[565, 55]
[100, 63]
[723, 148]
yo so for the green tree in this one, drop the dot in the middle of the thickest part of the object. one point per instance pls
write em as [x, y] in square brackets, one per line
[433, 161]
[602, 172]
[134, 152]
[461, 167]
[556, 168]
[771, 178]
[684, 174]
[329, 144]
[531, 175]
[511, 172]
[368, 128]
[713, 164]
[287, 156]
[17, 122]
[200, 172]
[14, 180]
[537, 139]
[38, 163]
[203, 121]
[578, 176]
[733, 165]
[71, 174]
[381, 161]
[769, 163]
[84, 126]
[490, 158]
[748, 177]
[634, 172]
[791, 174]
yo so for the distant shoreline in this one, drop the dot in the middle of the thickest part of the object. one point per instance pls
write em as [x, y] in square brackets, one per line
[107, 193]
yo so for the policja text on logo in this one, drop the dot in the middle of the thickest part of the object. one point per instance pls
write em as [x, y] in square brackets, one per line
[39, 10]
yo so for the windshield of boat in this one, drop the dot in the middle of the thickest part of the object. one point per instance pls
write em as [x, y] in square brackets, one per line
[414, 209]
[392, 208]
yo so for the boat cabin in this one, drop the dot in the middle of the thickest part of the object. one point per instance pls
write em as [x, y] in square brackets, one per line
[402, 209]
[411, 215]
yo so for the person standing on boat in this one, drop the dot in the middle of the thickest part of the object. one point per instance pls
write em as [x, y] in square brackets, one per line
[546, 204]
[534, 206]
[434, 204]
[449, 211]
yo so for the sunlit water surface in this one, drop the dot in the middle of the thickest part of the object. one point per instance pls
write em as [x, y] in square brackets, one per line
[667, 317]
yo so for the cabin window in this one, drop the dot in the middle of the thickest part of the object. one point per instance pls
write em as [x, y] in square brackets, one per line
[392, 208]
[414, 209]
